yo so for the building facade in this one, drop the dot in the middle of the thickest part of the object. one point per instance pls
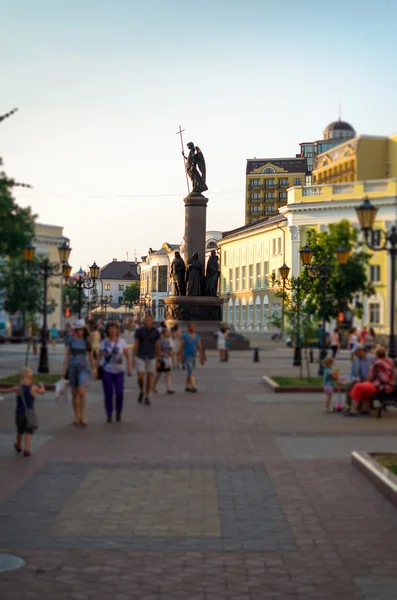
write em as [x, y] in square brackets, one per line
[267, 182]
[115, 277]
[155, 279]
[318, 206]
[334, 134]
[249, 257]
[363, 158]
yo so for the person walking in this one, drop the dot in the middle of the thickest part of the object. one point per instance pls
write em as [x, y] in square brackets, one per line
[147, 350]
[113, 353]
[335, 342]
[78, 358]
[370, 340]
[165, 363]
[95, 339]
[54, 332]
[190, 345]
[176, 336]
[221, 337]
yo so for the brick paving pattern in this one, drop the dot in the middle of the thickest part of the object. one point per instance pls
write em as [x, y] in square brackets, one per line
[230, 493]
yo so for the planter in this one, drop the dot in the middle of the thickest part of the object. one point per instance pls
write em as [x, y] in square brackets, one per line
[380, 476]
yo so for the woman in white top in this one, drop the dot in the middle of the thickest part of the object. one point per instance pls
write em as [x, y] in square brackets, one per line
[176, 337]
[353, 338]
[221, 337]
[112, 352]
[335, 342]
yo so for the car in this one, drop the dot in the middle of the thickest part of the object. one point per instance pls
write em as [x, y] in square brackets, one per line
[5, 331]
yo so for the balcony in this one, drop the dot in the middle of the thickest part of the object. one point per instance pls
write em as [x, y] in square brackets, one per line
[269, 186]
[254, 186]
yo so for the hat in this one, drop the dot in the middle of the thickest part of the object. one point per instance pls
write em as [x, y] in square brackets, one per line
[80, 324]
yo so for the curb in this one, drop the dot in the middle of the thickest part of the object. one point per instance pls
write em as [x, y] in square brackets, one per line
[277, 388]
[377, 474]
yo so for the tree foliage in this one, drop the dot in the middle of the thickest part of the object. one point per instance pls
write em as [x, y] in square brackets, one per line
[70, 298]
[344, 281]
[131, 292]
[23, 290]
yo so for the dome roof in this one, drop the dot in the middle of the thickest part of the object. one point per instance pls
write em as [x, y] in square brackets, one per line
[339, 130]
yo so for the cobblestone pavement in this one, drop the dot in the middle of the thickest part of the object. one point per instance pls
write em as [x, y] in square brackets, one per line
[234, 492]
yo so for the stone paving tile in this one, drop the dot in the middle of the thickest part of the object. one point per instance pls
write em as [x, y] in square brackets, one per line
[378, 588]
[7, 441]
[300, 447]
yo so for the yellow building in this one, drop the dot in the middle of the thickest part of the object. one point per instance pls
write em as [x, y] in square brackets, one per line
[318, 206]
[363, 158]
[267, 182]
[249, 255]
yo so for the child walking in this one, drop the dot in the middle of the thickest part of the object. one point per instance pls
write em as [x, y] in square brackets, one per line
[329, 378]
[26, 393]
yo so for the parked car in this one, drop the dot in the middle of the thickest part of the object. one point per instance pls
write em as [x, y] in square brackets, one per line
[5, 331]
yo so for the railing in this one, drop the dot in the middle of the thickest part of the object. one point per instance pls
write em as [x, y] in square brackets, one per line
[376, 186]
[312, 191]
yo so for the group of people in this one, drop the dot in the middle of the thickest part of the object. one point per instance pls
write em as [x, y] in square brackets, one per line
[371, 373]
[366, 337]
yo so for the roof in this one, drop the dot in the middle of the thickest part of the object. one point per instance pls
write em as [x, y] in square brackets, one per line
[120, 269]
[257, 225]
[291, 165]
[339, 126]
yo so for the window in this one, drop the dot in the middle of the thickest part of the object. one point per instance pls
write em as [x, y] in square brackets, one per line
[274, 242]
[237, 278]
[297, 181]
[269, 209]
[251, 276]
[254, 209]
[230, 280]
[107, 286]
[269, 195]
[121, 287]
[120, 299]
[225, 258]
[374, 273]
[255, 197]
[374, 313]
[279, 245]
[269, 183]
[266, 268]
[283, 182]
[163, 277]
[258, 276]
[224, 285]
[154, 279]
[283, 195]
[243, 278]
[255, 183]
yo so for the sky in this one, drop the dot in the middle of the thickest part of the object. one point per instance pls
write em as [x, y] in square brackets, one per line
[103, 85]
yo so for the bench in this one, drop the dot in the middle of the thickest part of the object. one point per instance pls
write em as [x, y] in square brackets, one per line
[381, 401]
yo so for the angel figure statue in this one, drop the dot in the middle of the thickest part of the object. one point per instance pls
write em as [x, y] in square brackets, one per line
[195, 168]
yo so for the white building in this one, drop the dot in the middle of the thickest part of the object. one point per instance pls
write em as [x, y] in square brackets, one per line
[115, 277]
[155, 278]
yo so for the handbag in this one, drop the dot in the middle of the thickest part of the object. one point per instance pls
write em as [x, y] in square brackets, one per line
[107, 359]
[30, 413]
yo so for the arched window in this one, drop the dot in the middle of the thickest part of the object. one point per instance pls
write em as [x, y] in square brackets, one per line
[250, 312]
[257, 311]
[243, 313]
[230, 311]
[237, 312]
[265, 313]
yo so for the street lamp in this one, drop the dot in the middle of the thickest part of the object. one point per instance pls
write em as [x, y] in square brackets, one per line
[377, 240]
[46, 269]
[84, 280]
[105, 301]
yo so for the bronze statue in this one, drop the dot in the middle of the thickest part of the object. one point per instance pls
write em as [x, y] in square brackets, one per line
[194, 276]
[195, 168]
[212, 275]
[178, 275]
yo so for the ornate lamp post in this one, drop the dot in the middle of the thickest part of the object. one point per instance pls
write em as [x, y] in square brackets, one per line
[84, 281]
[377, 240]
[104, 302]
[46, 269]
[313, 271]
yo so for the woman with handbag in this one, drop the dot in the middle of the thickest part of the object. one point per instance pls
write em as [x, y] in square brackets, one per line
[165, 363]
[78, 359]
[25, 414]
[112, 352]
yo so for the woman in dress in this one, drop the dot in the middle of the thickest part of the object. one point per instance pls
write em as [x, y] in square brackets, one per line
[113, 353]
[165, 362]
[221, 337]
[78, 359]
[176, 336]
[370, 340]
[335, 342]
[352, 339]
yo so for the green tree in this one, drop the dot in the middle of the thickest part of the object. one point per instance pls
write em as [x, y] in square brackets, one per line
[22, 289]
[131, 292]
[70, 298]
[344, 281]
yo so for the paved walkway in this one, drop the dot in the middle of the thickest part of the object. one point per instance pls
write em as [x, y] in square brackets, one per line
[231, 493]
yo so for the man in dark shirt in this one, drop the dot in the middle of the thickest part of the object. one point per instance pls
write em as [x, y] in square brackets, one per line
[147, 351]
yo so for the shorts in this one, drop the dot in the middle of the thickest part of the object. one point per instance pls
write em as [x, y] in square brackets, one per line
[190, 362]
[145, 365]
[20, 422]
[328, 389]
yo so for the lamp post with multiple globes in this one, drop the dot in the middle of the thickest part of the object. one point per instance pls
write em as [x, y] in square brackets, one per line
[83, 281]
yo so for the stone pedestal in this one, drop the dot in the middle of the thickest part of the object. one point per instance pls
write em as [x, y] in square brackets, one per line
[204, 311]
[195, 225]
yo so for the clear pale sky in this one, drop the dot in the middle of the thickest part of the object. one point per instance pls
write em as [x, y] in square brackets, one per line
[102, 86]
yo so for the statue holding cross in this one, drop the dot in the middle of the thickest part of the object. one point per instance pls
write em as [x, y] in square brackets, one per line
[195, 166]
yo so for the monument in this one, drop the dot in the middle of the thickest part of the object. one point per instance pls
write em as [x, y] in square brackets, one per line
[195, 290]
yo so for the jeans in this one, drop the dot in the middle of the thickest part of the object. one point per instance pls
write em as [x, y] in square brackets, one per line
[113, 381]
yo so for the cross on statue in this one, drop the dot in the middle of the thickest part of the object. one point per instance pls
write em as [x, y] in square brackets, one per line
[179, 132]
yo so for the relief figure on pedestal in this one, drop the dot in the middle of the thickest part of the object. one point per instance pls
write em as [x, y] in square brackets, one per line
[212, 275]
[178, 275]
[194, 276]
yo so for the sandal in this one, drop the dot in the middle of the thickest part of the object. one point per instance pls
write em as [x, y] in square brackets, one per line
[84, 424]
[17, 448]
[76, 423]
